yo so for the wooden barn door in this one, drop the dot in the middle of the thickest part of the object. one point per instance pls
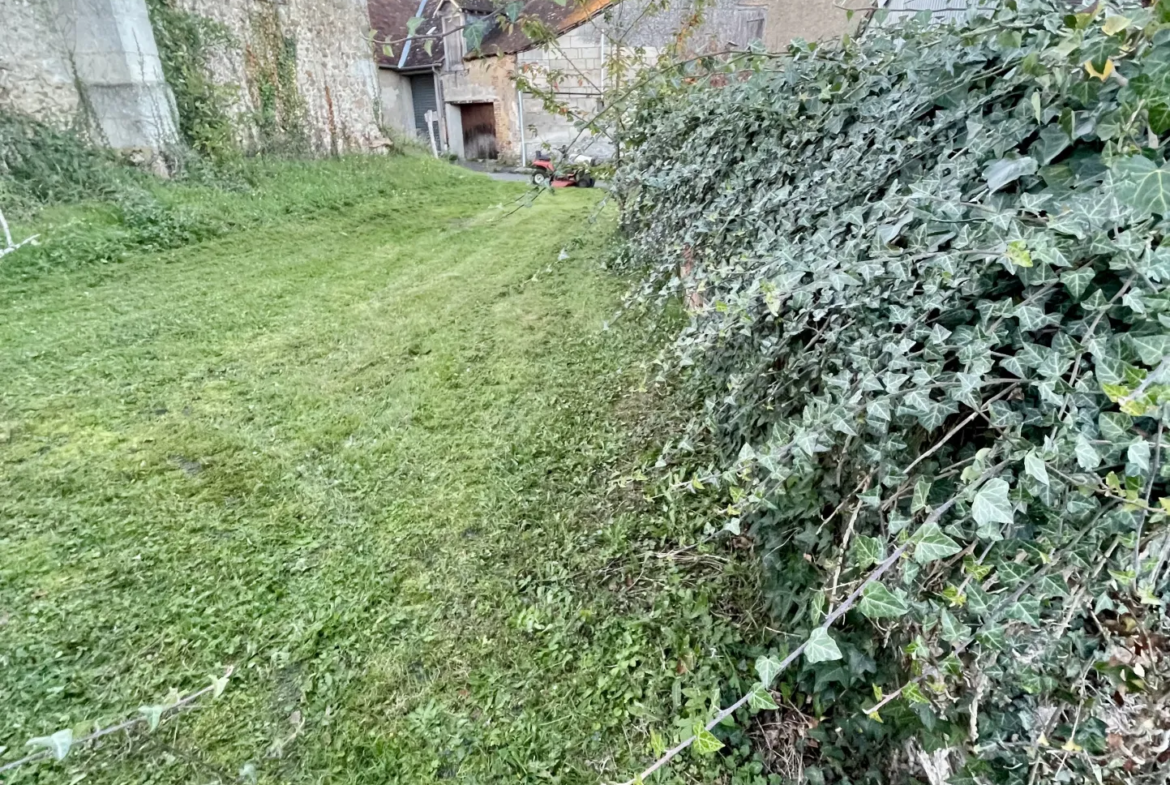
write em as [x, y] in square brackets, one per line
[479, 130]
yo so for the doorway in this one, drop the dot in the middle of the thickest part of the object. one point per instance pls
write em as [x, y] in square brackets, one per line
[479, 130]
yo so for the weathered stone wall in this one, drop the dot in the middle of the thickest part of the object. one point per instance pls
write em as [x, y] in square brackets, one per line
[95, 64]
[486, 80]
[36, 74]
[86, 64]
[580, 54]
[335, 75]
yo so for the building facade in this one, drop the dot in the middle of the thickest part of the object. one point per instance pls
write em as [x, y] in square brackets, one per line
[479, 113]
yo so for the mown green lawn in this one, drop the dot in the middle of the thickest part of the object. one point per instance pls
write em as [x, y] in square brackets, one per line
[365, 452]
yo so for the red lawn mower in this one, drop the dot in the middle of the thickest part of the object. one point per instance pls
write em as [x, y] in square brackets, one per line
[577, 174]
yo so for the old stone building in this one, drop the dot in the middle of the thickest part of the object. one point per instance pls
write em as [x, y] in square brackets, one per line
[96, 65]
[472, 90]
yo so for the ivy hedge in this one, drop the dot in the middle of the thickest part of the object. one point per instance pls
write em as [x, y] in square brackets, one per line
[930, 309]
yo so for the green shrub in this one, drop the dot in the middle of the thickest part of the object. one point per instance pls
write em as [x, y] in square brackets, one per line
[932, 311]
[40, 164]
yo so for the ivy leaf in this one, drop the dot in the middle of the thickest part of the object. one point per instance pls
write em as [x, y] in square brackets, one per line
[1115, 24]
[921, 492]
[991, 503]
[1034, 466]
[429, 46]
[1143, 185]
[1087, 456]
[1139, 455]
[1101, 73]
[705, 742]
[1004, 171]
[1027, 610]
[388, 50]
[218, 685]
[1114, 426]
[1077, 281]
[767, 668]
[821, 647]
[867, 551]
[932, 544]
[152, 714]
[952, 631]
[1052, 142]
[759, 698]
[412, 25]
[1151, 348]
[878, 602]
[59, 743]
[913, 694]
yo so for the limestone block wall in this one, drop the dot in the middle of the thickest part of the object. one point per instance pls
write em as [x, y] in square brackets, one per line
[325, 41]
[574, 70]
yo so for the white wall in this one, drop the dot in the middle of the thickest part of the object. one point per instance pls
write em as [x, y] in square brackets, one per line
[397, 106]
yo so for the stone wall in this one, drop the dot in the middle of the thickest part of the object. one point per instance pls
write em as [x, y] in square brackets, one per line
[86, 64]
[94, 64]
[36, 72]
[323, 42]
[578, 58]
[485, 80]
[580, 54]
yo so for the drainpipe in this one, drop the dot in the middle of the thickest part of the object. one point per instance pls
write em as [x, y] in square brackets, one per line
[520, 111]
[441, 100]
[601, 81]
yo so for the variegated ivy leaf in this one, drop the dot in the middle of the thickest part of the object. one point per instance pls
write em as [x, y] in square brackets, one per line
[58, 743]
[705, 742]
[878, 602]
[760, 699]
[913, 694]
[767, 668]
[931, 544]
[991, 504]
[821, 647]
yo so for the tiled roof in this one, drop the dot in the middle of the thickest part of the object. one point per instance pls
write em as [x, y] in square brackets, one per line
[389, 19]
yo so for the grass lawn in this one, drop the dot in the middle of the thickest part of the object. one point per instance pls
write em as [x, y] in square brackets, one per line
[363, 449]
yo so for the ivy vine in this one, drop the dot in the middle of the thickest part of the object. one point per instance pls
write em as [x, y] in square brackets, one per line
[930, 334]
[185, 43]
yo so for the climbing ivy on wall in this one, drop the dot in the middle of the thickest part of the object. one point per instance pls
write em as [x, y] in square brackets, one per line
[271, 63]
[185, 44]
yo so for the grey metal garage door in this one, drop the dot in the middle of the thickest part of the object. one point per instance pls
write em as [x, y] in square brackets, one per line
[422, 91]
